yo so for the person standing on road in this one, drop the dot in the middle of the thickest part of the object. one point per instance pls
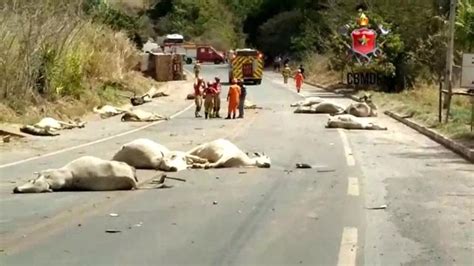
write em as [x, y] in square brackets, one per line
[302, 70]
[199, 86]
[277, 64]
[299, 80]
[209, 93]
[286, 73]
[233, 99]
[197, 69]
[217, 97]
[243, 94]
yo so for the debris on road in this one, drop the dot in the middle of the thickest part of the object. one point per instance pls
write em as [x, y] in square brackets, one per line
[113, 231]
[79, 225]
[173, 135]
[242, 172]
[217, 177]
[113, 215]
[214, 202]
[326, 170]
[303, 166]
[138, 224]
[381, 207]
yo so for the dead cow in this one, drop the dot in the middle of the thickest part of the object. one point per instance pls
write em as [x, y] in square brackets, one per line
[366, 108]
[351, 122]
[249, 105]
[308, 102]
[106, 111]
[139, 100]
[49, 126]
[84, 173]
[147, 154]
[141, 116]
[154, 93]
[223, 153]
[321, 108]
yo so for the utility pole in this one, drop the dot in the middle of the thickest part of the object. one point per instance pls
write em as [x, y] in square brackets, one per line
[449, 57]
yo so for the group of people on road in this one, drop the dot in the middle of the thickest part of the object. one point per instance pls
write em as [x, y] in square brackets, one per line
[211, 93]
[299, 76]
[278, 62]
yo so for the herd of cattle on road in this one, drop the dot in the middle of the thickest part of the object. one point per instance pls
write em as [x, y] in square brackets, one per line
[118, 173]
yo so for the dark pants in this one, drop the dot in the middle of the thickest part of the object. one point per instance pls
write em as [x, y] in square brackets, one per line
[241, 107]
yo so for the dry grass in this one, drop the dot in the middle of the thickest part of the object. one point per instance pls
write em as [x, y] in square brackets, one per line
[422, 102]
[317, 66]
[54, 61]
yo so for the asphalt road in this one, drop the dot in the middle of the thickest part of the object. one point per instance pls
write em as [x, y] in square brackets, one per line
[276, 216]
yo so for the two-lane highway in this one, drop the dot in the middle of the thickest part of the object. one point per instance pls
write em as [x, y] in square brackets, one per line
[276, 216]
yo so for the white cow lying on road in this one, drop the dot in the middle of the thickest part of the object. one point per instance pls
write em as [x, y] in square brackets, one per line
[84, 173]
[106, 111]
[147, 154]
[223, 153]
[308, 102]
[49, 126]
[321, 108]
[141, 116]
[351, 122]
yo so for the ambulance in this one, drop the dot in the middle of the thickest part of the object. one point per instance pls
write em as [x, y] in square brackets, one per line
[247, 65]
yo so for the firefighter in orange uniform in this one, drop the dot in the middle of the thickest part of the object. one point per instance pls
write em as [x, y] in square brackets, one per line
[299, 78]
[233, 99]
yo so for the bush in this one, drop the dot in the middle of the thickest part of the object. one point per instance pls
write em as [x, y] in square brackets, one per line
[52, 53]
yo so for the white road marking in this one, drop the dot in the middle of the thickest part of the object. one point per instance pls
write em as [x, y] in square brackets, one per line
[94, 142]
[353, 186]
[348, 248]
[347, 148]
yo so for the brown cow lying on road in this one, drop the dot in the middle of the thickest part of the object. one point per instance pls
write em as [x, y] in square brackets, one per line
[351, 122]
[49, 126]
[141, 116]
[84, 173]
[223, 153]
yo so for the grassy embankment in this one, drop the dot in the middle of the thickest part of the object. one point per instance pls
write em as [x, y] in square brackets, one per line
[422, 102]
[55, 61]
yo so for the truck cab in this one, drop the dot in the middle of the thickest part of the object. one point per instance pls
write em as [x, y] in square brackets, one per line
[247, 65]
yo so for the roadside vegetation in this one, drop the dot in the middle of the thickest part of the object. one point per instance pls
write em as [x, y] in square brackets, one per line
[61, 58]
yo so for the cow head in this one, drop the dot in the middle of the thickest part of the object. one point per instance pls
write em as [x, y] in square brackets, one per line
[262, 161]
[174, 161]
[37, 185]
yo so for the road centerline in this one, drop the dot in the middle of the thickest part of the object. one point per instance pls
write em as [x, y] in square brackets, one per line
[353, 186]
[347, 148]
[348, 248]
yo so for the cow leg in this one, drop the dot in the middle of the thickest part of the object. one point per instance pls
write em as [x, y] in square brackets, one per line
[218, 164]
[196, 159]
